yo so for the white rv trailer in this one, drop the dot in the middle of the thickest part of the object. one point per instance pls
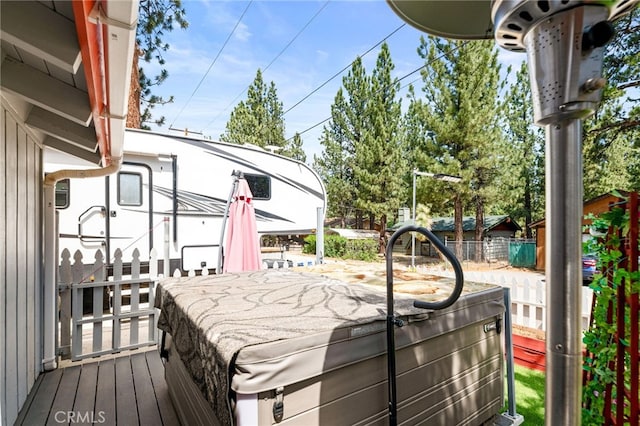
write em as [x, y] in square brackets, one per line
[188, 181]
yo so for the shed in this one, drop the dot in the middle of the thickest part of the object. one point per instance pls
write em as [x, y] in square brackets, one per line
[495, 226]
[594, 206]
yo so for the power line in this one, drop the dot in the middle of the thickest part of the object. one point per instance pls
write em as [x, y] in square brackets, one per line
[329, 118]
[213, 62]
[384, 88]
[298, 34]
[272, 61]
[343, 69]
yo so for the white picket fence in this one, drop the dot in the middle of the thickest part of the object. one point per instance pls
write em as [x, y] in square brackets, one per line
[528, 297]
[101, 315]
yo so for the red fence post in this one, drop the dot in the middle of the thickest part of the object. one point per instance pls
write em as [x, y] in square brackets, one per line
[634, 346]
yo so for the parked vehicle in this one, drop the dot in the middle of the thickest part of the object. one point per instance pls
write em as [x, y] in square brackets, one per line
[589, 263]
[188, 181]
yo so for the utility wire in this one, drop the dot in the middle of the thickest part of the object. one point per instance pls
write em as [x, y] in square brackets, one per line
[213, 62]
[272, 61]
[343, 69]
[329, 118]
[297, 35]
[384, 88]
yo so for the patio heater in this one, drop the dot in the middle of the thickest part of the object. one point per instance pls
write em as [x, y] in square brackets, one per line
[564, 41]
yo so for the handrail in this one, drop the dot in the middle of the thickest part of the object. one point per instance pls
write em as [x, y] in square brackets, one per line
[457, 269]
[392, 321]
[95, 209]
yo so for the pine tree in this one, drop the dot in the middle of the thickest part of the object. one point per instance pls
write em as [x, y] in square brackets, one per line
[258, 119]
[461, 84]
[379, 166]
[426, 155]
[294, 149]
[337, 174]
[155, 17]
[522, 181]
[339, 139]
[611, 141]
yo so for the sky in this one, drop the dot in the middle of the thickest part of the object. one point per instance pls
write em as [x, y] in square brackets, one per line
[299, 45]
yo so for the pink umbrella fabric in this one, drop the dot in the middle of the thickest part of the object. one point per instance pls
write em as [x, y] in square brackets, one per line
[242, 251]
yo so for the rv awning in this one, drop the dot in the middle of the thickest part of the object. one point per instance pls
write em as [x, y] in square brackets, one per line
[66, 70]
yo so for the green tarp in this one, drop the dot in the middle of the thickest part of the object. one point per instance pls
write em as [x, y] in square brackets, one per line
[522, 254]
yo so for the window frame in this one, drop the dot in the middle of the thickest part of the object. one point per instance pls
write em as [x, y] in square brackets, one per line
[66, 192]
[255, 177]
[119, 198]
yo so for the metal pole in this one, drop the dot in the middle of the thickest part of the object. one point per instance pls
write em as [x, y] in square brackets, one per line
[50, 287]
[413, 215]
[319, 236]
[563, 272]
[508, 341]
[236, 174]
[166, 267]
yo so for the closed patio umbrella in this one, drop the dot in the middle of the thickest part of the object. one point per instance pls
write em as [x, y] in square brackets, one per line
[242, 248]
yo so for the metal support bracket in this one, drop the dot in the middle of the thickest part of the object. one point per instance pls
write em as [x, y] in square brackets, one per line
[98, 15]
[278, 405]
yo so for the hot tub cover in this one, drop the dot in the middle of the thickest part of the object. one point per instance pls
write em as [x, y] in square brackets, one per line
[251, 332]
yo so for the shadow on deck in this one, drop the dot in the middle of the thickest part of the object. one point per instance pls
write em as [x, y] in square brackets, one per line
[124, 389]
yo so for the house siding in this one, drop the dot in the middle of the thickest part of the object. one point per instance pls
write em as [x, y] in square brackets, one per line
[20, 262]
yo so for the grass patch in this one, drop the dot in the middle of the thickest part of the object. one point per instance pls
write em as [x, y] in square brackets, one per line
[529, 395]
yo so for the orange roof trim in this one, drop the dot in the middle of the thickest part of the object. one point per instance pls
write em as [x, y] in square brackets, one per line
[94, 57]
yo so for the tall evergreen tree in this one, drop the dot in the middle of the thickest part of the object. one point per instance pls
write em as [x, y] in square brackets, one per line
[294, 149]
[155, 18]
[461, 83]
[426, 155]
[257, 120]
[611, 142]
[335, 169]
[522, 179]
[339, 139]
[380, 167]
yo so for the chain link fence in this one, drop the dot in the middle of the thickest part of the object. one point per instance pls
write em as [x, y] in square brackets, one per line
[518, 252]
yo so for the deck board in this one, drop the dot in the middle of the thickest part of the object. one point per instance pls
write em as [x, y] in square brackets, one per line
[126, 389]
[126, 410]
[39, 408]
[86, 393]
[65, 395]
[156, 371]
[146, 399]
[105, 392]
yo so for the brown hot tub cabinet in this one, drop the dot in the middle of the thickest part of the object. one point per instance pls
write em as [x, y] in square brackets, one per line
[296, 348]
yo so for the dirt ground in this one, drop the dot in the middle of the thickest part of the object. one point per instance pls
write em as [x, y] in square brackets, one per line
[421, 263]
[428, 281]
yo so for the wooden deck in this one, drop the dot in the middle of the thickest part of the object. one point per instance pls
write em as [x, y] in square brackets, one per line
[124, 389]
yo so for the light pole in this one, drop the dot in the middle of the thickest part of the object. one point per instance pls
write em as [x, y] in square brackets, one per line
[437, 176]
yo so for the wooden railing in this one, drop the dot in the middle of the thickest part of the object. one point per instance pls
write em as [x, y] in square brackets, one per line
[618, 317]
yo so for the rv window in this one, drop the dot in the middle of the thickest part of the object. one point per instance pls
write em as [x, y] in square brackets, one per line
[129, 189]
[259, 185]
[62, 194]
